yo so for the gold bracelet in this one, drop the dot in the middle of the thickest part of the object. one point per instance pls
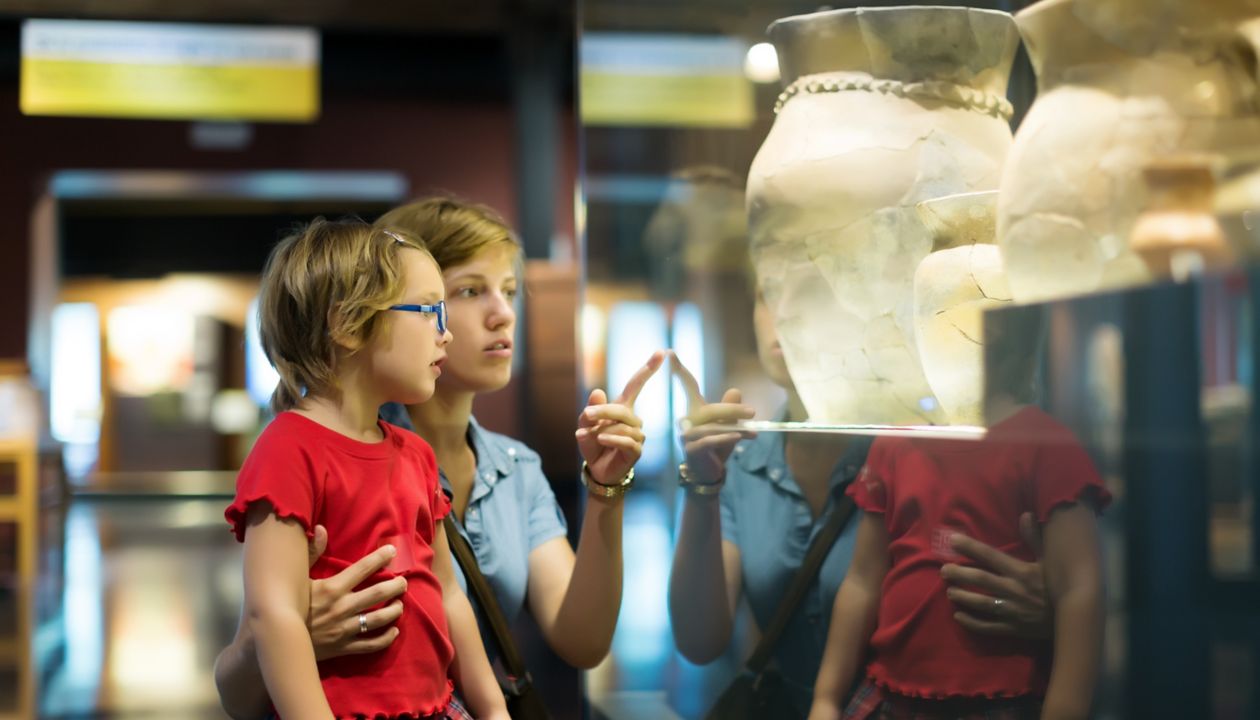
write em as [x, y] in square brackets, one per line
[608, 491]
[698, 488]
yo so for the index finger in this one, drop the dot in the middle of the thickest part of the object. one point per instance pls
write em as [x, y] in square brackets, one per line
[988, 556]
[690, 385]
[364, 567]
[640, 378]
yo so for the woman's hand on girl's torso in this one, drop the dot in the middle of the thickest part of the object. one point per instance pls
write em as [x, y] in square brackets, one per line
[333, 618]
[1005, 595]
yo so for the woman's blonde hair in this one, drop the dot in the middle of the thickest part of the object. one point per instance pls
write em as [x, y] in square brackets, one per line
[324, 286]
[454, 230]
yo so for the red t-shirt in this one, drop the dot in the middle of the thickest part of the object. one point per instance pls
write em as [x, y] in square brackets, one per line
[366, 495]
[929, 489]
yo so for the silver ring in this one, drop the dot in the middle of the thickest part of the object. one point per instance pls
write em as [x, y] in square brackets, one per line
[998, 602]
[362, 623]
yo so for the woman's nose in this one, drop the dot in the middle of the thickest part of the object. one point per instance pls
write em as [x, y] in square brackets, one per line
[502, 311]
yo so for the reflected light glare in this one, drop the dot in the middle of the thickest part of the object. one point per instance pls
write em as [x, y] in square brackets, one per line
[643, 634]
[150, 349]
[761, 64]
[594, 329]
[194, 295]
[260, 377]
[75, 393]
[688, 345]
[233, 412]
[153, 654]
[635, 330]
[83, 615]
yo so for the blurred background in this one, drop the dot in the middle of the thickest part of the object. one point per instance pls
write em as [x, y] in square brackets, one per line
[614, 135]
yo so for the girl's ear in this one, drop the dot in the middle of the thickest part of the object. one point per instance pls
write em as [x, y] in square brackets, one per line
[336, 332]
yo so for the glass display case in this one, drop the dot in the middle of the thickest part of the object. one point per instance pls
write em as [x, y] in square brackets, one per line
[1004, 245]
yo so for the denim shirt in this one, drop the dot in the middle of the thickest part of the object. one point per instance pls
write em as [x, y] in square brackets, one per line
[511, 511]
[767, 516]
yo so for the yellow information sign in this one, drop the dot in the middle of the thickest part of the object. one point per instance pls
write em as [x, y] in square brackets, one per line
[664, 80]
[169, 71]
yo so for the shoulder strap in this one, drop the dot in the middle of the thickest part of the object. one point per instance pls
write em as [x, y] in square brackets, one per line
[480, 589]
[800, 582]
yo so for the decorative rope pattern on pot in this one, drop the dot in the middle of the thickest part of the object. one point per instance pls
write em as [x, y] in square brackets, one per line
[947, 92]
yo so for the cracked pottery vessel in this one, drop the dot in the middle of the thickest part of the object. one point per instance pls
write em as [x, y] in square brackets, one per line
[882, 109]
[963, 277]
[1120, 83]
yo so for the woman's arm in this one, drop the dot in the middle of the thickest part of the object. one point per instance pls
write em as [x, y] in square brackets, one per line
[1024, 610]
[333, 622]
[277, 597]
[575, 598]
[852, 619]
[704, 582]
[705, 577]
[471, 669]
[1074, 576]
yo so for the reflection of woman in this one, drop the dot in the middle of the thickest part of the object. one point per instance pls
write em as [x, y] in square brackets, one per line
[777, 492]
[504, 504]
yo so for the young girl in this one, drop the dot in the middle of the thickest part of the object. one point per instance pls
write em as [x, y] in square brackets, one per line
[352, 317]
[893, 608]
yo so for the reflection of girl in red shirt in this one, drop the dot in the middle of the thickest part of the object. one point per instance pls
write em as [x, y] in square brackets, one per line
[916, 493]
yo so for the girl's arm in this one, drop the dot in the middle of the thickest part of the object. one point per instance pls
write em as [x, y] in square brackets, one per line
[1074, 579]
[277, 598]
[575, 598]
[852, 619]
[471, 669]
[332, 622]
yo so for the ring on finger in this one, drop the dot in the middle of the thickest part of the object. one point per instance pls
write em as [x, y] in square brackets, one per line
[998, 603]
[362, 623]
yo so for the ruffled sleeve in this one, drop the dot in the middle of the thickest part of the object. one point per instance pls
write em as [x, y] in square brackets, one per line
[870, 488]
[281, 472]
[1065, 475]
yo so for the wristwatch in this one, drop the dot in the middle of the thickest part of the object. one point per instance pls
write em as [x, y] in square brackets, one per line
[608, 491]
[699, 488]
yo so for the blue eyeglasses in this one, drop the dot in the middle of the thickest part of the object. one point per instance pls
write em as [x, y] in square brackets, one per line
[438, 310]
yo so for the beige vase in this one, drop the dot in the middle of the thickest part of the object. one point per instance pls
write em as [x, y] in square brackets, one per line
[882, 109]
[953, 286]
[1121, 83]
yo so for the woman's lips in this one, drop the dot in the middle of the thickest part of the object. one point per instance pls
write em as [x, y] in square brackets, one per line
[501, 349]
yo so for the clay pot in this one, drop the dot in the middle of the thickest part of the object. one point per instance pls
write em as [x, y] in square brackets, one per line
[953, 286]
[882, 109]
[1121, 83]
[1178, 234]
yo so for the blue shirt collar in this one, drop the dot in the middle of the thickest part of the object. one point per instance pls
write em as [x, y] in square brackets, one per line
[765, 456]
[492, 452]
[495, 459]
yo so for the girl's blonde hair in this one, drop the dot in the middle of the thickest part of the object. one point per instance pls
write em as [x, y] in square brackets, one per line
[454, 230]
[323, 287]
